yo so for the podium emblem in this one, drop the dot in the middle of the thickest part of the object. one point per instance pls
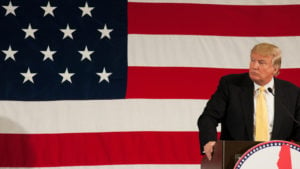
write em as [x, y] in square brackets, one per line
[271, 155]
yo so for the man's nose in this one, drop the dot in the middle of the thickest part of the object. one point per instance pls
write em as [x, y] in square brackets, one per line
[255, 65]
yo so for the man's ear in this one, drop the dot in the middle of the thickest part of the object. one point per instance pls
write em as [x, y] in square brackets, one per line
[276, 70]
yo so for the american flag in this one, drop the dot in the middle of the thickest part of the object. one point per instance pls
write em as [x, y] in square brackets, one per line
[120, 84]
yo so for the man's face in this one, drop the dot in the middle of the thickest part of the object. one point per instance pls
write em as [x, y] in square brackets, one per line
[261, 69]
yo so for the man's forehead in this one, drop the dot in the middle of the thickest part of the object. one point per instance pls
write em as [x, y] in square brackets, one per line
[260, 56]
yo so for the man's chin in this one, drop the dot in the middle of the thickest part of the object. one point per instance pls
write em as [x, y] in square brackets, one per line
[254, 78]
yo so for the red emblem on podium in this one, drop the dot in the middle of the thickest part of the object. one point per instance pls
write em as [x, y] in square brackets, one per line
[271, 155]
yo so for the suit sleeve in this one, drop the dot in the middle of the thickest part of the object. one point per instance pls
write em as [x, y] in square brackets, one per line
[213, 114]
[296, 135]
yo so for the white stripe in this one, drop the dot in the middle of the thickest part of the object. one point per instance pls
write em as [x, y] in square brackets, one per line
[225, 2]
[204, 51]
[100, 116]
[145, 166]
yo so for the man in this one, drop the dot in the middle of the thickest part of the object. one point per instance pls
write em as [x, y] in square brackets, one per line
[236, 104]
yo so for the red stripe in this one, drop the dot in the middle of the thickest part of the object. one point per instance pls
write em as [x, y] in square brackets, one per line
[47, 150]
[203, 19]
[183, 83]
[291, 75]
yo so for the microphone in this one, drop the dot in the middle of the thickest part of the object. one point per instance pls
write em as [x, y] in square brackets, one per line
[287, 110]
[271, 91]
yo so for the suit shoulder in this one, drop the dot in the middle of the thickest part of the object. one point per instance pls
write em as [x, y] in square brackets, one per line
[287, 84]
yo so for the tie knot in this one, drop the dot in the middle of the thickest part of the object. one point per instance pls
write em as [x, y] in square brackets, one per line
[262, 89]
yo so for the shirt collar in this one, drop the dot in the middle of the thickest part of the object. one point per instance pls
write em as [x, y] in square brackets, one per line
[268, 85]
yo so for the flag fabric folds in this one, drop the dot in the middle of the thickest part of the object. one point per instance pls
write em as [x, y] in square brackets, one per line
[120, 84]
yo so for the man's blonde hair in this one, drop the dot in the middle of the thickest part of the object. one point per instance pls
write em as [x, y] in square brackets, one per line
[267, 49]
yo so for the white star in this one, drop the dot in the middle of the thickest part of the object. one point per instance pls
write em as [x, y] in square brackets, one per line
[28, 76]
[86, 54]
[10, 53]
[48, 54]
[29, 32]
[10, 9]
[66, 76]
[48, 9]
[68, 32]
[86, 10]
[105, 32]
[104, 75]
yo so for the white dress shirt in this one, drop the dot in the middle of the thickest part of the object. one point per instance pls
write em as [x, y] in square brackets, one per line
[270, 103]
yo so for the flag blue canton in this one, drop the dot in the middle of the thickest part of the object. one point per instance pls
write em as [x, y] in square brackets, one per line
[63, 50]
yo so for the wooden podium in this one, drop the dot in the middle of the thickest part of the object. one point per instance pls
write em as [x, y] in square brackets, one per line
[226, 154]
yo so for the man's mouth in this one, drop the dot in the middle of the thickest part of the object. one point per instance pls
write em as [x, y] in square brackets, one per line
[253, 73]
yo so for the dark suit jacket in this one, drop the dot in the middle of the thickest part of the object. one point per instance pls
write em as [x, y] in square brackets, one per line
[232, 106]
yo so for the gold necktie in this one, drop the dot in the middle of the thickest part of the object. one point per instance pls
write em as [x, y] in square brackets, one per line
[261, 117]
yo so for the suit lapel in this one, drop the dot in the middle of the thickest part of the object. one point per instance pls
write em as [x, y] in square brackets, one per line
[248, 105]
[279, 96]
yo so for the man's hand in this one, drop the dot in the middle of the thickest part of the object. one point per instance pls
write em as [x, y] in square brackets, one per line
[209, 148]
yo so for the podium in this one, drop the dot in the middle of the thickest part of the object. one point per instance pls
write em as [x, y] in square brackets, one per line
[226, 154]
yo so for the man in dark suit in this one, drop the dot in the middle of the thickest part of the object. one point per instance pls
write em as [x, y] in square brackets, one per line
[234, 103]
